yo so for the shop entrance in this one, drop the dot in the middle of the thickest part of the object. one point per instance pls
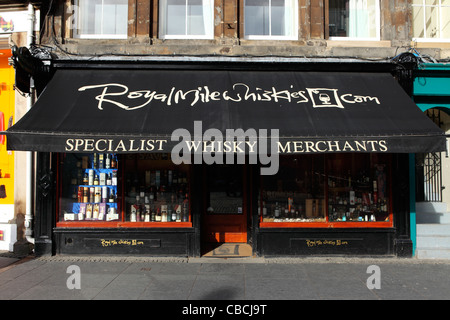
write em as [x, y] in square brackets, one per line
[224, 216]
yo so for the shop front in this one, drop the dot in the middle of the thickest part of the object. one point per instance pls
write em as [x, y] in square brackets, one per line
[174, 160]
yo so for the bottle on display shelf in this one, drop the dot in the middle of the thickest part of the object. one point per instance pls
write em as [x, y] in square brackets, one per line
[185, 209]
[94, 161]
[113, 162]
[100, 161]
[158, 215]
[107, 161]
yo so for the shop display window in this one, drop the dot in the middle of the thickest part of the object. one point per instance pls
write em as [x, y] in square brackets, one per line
[296, 193]
[89, 188]
[336, 190]
[134, 190]
[155, 189]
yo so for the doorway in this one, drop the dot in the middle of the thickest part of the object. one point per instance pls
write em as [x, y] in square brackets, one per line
[224, 213]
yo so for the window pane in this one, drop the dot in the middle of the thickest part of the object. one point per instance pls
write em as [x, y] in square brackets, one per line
[115, 18]
[353, 18]
[279, 18]
[155, 189]
[225, 194]
[256, 20]
[195, 16]
[176, 17]
[186, 18]
[432, 22]
[339, 13]
[358, 187]
[418, 27]
[103, 17]
[296, 193]
[89, 188]
[445, 22]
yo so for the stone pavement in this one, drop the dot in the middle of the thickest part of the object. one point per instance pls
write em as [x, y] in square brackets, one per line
[192, 280]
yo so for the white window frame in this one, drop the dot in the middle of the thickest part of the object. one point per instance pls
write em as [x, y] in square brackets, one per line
[77, 34]
[378, 28]
[209, 32]
[294, 35]
[423, 6]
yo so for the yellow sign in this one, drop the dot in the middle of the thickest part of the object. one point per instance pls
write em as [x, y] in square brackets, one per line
[7, 98]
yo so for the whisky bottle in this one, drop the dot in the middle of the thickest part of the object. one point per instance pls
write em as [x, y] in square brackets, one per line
[164, 213]
[153, 214]
[113, 162]
[112, 197]
[94, 161]
[107, 161]
[91, 177]
[104, 194]
[85, 194]
[147, 209]
[96, 180]
[185, 212]
[100, 161]
[91, 194]
[277, 210]
[158, 215]
[98, 195]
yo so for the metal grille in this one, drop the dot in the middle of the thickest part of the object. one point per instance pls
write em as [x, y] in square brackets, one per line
[429, 170]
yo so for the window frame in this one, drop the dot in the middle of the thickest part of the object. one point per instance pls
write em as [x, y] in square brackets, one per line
[424, 6]
[77, 31]
[162, 7]
[295, 27]
[377, 19]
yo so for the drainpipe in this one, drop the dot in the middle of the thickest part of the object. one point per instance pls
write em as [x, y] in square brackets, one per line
[29, 156]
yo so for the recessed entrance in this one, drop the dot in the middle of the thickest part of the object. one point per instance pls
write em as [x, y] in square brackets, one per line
[224, 216]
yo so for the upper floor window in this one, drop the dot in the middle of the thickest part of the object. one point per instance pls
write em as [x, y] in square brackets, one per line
[101, 18]
[271, 19]
[354, 19]
[186, 19]
[431, 20]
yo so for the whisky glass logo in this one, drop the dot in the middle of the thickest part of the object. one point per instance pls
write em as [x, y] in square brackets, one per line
[324, 98]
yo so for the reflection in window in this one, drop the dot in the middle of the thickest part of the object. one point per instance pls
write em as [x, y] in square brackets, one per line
[354, 19]
[225, 190]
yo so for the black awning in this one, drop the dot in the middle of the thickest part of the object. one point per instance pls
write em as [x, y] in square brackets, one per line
[87, 110]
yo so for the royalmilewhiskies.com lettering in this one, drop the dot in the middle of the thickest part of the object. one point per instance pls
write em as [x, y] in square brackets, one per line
[114, 93]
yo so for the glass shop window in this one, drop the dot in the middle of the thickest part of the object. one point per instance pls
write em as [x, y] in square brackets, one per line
[358, 188]
[156, 190]
[347, 189]
[133, 190]
[296, 193]
[88, 189]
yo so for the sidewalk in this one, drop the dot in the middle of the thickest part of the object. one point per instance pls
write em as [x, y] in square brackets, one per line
[141, 278]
